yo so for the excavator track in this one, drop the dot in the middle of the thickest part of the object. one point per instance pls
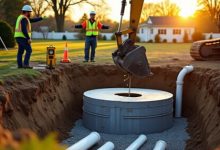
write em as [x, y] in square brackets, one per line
[206, 50]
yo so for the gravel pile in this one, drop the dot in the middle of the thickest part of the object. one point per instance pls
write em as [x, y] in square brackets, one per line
[175, 137]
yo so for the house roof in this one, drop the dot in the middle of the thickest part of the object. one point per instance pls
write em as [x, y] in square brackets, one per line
[168, 21]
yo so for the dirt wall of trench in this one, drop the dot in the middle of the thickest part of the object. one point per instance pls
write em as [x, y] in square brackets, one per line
[53, 101]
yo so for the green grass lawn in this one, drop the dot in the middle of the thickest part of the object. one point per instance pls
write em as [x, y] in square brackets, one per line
[155, 52]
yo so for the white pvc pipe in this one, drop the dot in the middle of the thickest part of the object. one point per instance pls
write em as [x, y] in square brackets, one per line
[107, 146]
[137, 143]
[179, 89]
[160, 145]
[86, 142]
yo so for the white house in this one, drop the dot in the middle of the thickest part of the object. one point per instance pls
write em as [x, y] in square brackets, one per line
[169, 28]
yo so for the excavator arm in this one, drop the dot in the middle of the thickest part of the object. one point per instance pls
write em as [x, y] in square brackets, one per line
[129, 57]
[135, 13]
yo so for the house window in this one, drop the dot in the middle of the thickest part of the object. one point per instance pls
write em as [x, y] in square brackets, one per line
[162, 31]
[142, 30]
[176, 31]
[151, 31]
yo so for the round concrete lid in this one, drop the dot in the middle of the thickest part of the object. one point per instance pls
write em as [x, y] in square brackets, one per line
[109, 94]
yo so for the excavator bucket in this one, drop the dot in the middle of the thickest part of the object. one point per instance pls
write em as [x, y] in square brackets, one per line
[132, 59]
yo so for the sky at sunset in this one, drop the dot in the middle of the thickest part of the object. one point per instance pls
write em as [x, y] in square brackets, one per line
[187, 7]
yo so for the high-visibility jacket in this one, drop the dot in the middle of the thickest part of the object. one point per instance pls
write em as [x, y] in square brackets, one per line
[92, 28]
[18, 31]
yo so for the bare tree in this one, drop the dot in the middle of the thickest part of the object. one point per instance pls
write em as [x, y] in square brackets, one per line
[213, 8]
[14, 7]
[149, 9]
[167, 8]
[39, 7]
[60, 7]
[103, 11]
[164, 8]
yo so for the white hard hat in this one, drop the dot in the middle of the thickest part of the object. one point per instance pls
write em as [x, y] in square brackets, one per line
[92, 13]
[27, 8]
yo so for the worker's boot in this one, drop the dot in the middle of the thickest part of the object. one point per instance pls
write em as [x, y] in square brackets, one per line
[28, 67]
[132, 59]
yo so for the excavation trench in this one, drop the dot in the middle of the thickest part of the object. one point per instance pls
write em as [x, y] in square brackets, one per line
[53, 101]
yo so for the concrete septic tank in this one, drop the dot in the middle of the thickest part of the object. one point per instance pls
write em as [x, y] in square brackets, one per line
[110, 110]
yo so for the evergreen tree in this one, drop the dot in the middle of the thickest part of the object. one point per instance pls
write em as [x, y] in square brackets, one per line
[6, 35]
[185, 37]
[82, 33]
[157, 38]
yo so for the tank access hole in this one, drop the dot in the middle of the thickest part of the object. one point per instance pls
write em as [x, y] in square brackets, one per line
[128, 95]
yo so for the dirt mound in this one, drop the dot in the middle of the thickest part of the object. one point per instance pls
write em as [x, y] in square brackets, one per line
[202, 106]
[43, 104]
[53, 101]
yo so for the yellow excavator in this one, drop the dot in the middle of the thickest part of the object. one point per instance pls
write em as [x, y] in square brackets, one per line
[132, 59]
[129, 57]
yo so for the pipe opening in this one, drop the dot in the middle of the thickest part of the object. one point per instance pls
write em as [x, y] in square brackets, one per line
[129, 95]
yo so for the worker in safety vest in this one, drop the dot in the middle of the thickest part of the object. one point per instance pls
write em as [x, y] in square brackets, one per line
[23, 36]
[92, 27]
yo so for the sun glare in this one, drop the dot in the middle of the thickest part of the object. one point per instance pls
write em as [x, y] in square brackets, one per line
[188, 7]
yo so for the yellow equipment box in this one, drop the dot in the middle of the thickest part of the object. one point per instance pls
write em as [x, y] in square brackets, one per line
[51, 57]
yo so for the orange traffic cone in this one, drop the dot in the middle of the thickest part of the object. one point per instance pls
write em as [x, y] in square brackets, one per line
[65, 56]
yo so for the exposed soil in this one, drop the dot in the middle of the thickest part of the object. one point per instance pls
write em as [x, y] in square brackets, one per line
[53, 101]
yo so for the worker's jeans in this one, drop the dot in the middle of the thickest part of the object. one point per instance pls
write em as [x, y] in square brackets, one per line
[23, 45]
[90, 41]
